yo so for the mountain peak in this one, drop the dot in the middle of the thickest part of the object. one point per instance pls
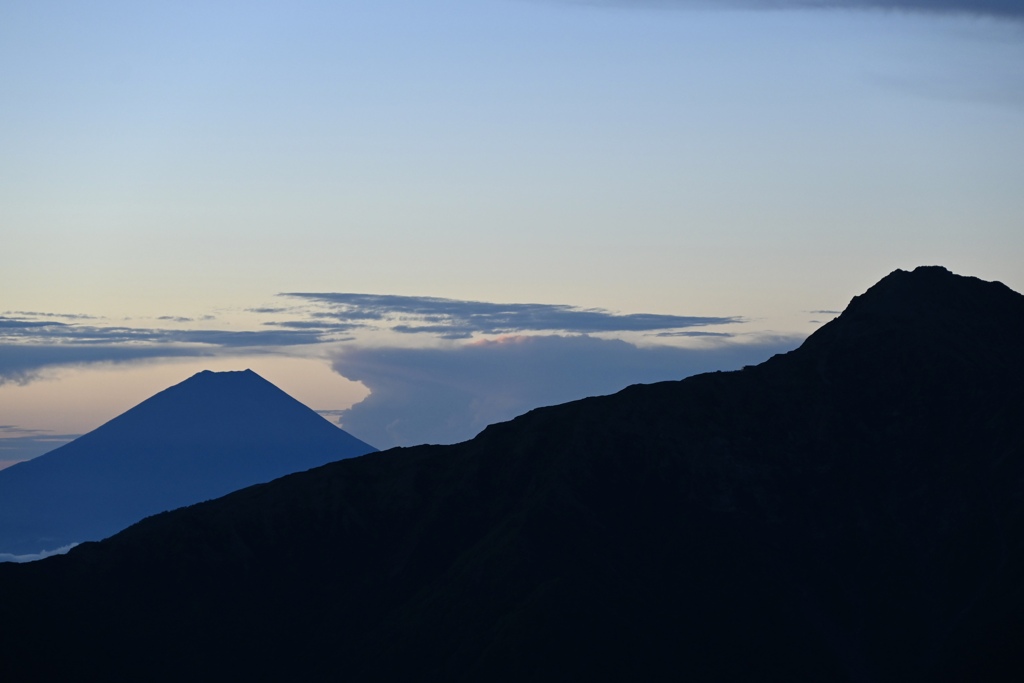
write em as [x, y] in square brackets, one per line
[930, 291]
[929, 305]
[207, 436]
[248, 372]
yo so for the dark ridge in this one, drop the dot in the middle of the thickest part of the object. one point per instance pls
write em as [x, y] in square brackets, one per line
[850, 511]
[214, 433]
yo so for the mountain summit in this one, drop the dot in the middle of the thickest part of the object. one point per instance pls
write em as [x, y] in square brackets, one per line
[851, 511]
[207, 436]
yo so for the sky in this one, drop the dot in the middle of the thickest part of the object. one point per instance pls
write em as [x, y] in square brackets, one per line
[423, 217]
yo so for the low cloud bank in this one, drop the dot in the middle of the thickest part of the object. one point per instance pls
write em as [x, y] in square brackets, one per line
[448, 395]
[8, 557]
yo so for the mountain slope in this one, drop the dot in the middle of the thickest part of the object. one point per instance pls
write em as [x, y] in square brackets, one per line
[850, 511]
[200, 439]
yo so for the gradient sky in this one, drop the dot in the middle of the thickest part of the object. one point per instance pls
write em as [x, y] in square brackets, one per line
[352, 197]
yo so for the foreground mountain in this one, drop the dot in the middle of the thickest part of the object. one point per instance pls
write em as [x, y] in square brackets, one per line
[207, 436]
[850, 511]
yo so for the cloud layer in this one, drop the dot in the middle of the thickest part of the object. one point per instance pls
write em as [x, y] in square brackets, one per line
[31, 341]
[47, 331]
[996, 8]
[458, 319]
[1004, 8]
[22, 363]
[8, 557]
[17, 444]
[470, 363]
[29, 344]
[449, 395]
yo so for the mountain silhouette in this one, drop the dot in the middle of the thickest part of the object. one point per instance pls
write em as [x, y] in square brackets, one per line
[850, 511]
[214, 433]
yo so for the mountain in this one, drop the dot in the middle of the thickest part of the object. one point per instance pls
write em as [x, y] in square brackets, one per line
[214, 433]
[850, 511]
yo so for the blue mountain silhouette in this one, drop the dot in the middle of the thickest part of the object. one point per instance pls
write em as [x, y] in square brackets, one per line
[205, 437]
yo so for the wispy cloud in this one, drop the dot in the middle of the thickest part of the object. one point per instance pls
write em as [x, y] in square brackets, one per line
[1011, 9]
[321, 325]
[998, 8]
[35, 341]
[18, 324]
[41, 314]
[449, 395]
[28, 331]
[22, 363]
[460, 319]
[241, 338]
[9, 431]
[18, 444]
[695, 333]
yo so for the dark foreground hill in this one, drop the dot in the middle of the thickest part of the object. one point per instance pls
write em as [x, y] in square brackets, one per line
[212, 434]
[850, 511]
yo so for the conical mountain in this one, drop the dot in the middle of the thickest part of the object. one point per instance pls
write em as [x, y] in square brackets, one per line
[851, 511]
[207, 436]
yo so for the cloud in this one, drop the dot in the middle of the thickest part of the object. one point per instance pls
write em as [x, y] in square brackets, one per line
[241, 338]
[1011, 9]
[34, 340]
[8, 557]
[449, 395]
[40, 314]
[313, 325]
[31, 342]
[29, 345]
[459, 319]
[22, 363]
[694, 333]
[999, 8]
[22, 331]
[18, 445]
[15, 324]
[7, 431]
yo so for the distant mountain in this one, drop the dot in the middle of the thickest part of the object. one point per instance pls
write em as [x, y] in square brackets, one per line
[214, 433]
[850, 511]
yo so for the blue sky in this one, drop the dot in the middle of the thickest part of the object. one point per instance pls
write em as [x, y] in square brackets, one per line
[216, 184]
